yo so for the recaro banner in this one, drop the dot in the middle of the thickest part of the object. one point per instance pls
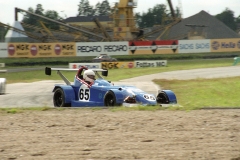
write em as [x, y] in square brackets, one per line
[153, 47]
[225, 45]
[97, 48]
[194, 46]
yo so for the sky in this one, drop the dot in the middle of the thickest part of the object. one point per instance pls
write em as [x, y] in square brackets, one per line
[68, 8]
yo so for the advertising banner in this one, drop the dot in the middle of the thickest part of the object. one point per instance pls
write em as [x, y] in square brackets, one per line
[35, 50]
[41, 50]
[117, 65]
[225, 45]
[64, 49]
[52, 50]
[3, 50]
[88, 65]
[159, 63]
[97, 48]
[194, 46]
[153, 47]
[18, 50]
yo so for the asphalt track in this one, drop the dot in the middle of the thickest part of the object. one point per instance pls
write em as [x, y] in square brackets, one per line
[39, 94]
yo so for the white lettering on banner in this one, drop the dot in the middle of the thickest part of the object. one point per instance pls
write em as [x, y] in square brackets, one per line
[202, 46]
[143, 47]
[164, 46]
[194, 46]
[114, 48]
[186, 46]
[159, 64]
[144, 64]
[89, 48]
[155, 47]
[88, 65]
[153, 63]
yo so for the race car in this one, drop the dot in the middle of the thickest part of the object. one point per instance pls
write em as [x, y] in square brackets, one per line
[102, 93]
[3, 83]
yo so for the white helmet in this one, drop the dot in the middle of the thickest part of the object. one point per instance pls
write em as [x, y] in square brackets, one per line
[89, 75]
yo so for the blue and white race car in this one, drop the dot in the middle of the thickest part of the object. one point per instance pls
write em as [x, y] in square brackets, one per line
[102, 92]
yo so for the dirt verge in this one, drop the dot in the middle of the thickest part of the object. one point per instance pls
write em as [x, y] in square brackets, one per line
[103, 134]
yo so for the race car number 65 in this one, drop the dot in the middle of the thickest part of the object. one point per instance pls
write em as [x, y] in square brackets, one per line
[84, 93]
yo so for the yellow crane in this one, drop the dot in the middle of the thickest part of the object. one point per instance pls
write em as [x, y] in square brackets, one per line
[124, 21]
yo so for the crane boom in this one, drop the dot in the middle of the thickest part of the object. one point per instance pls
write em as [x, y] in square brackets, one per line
[171, 9]
[63, 24]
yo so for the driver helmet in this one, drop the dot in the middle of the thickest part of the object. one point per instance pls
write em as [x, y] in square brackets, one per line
[89, 76]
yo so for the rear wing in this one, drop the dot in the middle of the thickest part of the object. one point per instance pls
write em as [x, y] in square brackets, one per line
[48, 71]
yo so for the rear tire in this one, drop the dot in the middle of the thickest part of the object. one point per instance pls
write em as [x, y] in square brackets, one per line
[162, 98]
[59, 98]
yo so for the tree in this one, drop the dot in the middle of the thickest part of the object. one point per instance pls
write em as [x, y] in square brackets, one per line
[84, 8]
[97, 9]
[238, 19]
[29, 18]
[154, 16]
[3, 32]
[227, 17]
[54, 16]
[35, 20]
[39, 10]
[105, 8]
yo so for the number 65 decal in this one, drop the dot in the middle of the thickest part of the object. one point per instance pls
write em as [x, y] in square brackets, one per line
[84, 93]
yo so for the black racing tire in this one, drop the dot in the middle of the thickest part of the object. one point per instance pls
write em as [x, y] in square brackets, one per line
[59, 98]
[162, 98]
[110, 99]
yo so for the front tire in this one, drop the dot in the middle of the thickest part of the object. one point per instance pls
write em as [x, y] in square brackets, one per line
[110, 99]
[59, 98]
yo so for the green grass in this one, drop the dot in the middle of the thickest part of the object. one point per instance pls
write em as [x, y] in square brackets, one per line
[118, 74]
[204, 93]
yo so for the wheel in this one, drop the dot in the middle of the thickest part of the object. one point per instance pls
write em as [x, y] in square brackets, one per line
[110, 99]
[162, 98]
[59, 98]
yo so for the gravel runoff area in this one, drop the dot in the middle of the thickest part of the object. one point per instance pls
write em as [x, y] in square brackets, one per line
[103, 134]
